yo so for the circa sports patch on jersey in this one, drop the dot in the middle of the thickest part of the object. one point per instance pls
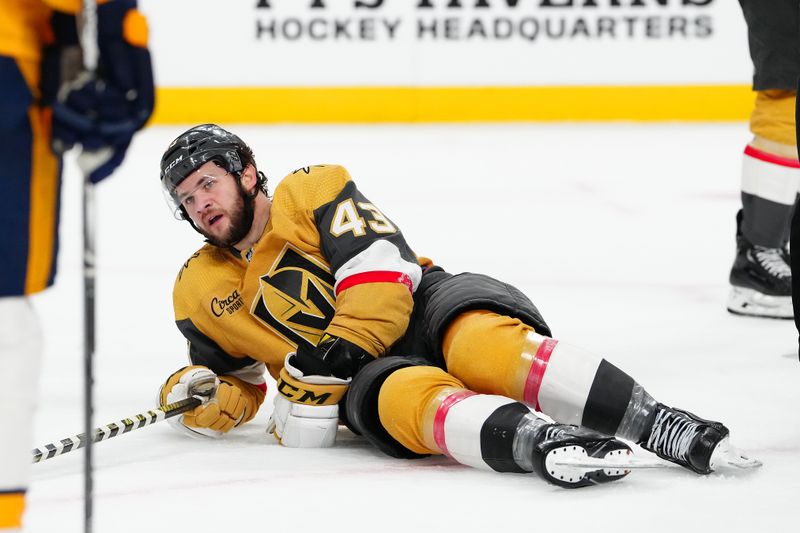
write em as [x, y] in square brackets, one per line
[227, 304]
[296, 297]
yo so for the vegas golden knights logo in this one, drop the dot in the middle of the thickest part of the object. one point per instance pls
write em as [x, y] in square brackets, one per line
[296, 297]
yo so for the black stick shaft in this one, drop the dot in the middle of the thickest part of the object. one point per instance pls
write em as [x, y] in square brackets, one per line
[89, 345]
[90, 50]
[114, 429]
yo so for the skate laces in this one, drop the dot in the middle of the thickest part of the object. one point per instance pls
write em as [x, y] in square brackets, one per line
[554, 431]
[672, 434]
[772, 260]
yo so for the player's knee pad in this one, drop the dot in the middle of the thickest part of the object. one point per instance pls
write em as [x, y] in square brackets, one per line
[361, 404]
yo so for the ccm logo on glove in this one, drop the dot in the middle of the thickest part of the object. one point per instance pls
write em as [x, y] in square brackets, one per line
[309, 394]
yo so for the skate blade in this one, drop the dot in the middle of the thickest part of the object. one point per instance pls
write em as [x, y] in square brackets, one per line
[572, 464]
[724, 456]
[748, 302]
[727, 456]
[625, 462]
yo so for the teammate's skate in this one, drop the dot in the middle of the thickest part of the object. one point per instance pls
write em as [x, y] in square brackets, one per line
[761, 280]
[685, 439]
[561, 441]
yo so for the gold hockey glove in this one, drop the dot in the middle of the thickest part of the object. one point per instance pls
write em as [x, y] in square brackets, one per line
[223, 411]
[231, 402]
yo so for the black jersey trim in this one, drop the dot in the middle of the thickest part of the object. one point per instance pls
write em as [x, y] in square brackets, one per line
[204, 351]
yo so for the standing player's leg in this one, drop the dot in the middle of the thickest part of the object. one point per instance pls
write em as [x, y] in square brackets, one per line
[761, 280]
[28, 214]
[20, 348]
[795, 234]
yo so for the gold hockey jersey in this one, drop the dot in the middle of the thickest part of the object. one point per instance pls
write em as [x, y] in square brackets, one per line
[329, 261]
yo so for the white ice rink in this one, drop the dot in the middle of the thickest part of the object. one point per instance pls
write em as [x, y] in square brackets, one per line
[623, 235]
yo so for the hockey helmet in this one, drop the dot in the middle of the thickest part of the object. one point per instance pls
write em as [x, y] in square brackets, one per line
[193, 148]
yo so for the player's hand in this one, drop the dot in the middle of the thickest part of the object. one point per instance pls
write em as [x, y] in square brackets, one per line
[303, 426]
[223, 406]
[333, 356]
[306, 412]
[102, 111]
[222, 412]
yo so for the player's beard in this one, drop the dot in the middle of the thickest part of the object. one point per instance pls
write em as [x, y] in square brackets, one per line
[241, 220]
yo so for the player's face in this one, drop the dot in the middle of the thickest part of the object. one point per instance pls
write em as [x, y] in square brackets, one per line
[213, 200]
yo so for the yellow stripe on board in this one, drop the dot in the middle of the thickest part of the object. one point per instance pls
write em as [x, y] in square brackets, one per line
[259, 105]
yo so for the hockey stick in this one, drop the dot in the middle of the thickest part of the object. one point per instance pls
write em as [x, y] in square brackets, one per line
[90, 57]
[114, 429]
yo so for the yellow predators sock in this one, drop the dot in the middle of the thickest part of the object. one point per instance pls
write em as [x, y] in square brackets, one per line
[12, 505]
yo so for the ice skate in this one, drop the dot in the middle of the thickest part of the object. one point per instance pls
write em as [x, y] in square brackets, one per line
[761, 281]
[687, 440]
[574, 444]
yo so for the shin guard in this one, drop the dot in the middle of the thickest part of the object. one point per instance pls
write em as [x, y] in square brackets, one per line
[574, 386]
[769, 189]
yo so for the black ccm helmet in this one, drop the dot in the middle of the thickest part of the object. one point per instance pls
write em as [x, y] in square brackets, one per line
[193, 148]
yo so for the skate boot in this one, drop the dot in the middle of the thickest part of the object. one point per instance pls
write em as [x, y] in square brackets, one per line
[761, 281]
[685, 439]
[561, 441]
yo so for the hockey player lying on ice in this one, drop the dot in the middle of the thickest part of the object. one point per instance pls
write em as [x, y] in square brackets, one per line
[317, 286]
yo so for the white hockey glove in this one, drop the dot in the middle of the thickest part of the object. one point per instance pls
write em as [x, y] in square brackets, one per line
[306, 413]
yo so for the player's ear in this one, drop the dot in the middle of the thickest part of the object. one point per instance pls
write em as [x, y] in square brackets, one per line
[249, 178]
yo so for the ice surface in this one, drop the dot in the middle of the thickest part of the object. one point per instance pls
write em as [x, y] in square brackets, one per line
[621, 234]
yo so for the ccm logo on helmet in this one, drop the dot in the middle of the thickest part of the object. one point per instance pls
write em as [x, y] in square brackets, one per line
[177, 160]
